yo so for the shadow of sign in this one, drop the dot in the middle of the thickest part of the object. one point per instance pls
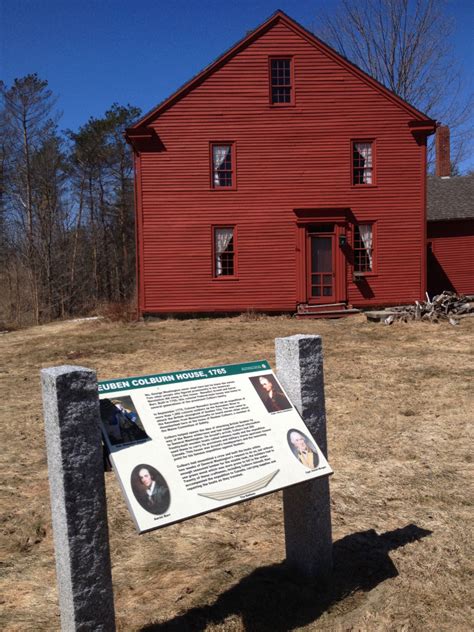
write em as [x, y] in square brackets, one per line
[271, 598]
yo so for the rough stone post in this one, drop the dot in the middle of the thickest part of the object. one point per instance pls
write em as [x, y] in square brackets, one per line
[78, 505]
[307, 511]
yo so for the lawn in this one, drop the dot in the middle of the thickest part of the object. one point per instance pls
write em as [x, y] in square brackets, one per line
[399, 409]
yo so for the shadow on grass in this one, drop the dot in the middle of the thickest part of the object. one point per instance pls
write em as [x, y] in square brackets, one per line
[271, 598]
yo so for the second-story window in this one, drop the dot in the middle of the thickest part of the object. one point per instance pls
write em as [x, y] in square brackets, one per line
[362, 162]
[222, 165]
[281, 89]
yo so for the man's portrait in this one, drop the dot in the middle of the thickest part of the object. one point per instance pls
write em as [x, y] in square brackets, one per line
[303, 449]
[271, 393]
[121, 421]
[150, 489]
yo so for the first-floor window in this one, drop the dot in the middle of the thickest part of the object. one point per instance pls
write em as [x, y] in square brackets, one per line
[224, 251]
[363, 248]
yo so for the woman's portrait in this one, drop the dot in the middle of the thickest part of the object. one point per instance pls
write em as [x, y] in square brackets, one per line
[150, 489]
[270, 393]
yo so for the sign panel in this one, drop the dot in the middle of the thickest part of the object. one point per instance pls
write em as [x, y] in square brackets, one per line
[190, 442]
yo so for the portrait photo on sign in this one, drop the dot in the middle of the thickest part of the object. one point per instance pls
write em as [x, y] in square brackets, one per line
[150, 489]
[303, 449]
[121, 422]
[270, 392]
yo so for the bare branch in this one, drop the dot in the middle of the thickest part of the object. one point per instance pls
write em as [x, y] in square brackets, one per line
[406, 45]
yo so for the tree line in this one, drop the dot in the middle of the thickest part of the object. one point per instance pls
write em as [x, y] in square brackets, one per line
[66, 208]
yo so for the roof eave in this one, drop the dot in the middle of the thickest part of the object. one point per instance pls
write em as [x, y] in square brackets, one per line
[426, 126]
[451, 219]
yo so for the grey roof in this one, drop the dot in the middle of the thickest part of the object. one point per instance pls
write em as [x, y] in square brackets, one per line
[450, 198]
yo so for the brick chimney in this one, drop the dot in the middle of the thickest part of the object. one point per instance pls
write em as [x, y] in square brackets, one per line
[443, 160]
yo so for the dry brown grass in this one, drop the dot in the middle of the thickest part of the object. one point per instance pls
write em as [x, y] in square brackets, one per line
[399, 421]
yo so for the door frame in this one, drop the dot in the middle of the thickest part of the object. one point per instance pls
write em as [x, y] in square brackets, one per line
[306, 223]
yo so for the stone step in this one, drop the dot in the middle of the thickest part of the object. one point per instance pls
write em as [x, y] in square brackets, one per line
[304, 308]
[328, 313]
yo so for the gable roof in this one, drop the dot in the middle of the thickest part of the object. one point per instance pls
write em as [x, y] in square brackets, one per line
[450, 198]
[278, 16]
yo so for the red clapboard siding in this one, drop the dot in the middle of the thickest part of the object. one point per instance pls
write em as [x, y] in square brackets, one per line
[287, 158]
[451, 256]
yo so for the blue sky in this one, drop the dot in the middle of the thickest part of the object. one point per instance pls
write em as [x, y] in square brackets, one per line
[97, 52]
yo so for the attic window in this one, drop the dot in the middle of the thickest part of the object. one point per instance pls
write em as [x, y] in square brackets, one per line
[281, 81]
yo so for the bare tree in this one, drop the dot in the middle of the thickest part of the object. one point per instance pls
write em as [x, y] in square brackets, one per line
[3, 175]
[407, 46]
[51, 223]
[118, 118]
[28, 107]
[101, 177]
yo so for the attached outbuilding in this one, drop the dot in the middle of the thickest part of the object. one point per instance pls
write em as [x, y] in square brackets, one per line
[451, 234]
[281, 178]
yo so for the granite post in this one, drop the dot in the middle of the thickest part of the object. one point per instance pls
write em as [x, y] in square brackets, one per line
[306, 507]
[78, 504]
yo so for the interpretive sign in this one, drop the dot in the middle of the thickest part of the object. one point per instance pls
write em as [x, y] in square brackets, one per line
[190, 442]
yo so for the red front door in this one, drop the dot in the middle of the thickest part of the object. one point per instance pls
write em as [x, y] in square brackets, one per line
[321, 267]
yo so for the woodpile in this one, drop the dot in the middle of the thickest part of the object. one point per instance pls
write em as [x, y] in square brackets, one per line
[445, 306]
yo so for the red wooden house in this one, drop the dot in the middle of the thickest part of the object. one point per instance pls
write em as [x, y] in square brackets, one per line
[280, 178]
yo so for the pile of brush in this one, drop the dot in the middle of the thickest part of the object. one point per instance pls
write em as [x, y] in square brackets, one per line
[445, 306]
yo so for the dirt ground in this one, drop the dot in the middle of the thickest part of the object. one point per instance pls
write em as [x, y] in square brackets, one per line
[400, 411]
